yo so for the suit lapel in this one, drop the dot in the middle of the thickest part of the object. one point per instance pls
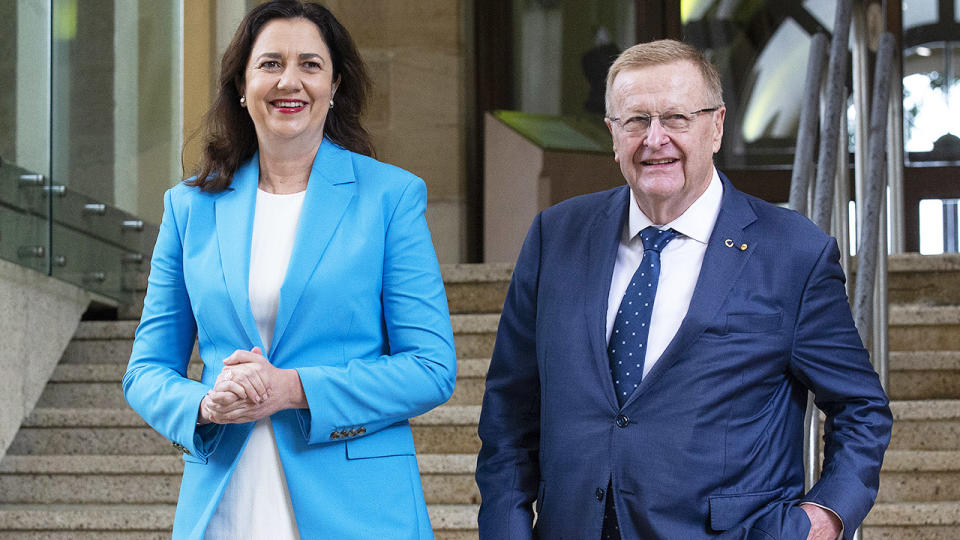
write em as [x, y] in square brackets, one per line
[234, 215]
[604, 240]
[722, 264]
[331, 187]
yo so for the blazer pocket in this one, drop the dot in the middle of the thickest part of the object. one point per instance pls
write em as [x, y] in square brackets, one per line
[726, 511]
[753, 322]
[394, 440]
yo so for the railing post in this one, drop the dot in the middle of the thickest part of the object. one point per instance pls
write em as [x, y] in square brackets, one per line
[895, 155]
[807, 132]
[875, 185]
[860, 59]
[827, 163]
[835, 106]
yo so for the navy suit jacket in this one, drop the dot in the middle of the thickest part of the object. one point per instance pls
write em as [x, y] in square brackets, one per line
[711, 443]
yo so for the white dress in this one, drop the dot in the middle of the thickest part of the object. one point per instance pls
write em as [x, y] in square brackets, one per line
[256, 503]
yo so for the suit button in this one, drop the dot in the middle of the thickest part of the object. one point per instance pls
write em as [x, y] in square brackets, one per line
[352, 433]
[361, 431]
[622, 421]
[599, 494]
[335, 435]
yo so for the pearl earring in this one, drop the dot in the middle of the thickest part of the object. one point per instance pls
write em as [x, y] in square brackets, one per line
[331, 103]
[243, 100]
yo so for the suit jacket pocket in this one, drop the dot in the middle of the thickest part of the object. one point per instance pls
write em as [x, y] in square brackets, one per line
[753, 322]
[395, 440]
[726, 511]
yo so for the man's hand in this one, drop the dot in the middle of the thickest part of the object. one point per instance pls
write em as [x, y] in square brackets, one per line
[824, 524]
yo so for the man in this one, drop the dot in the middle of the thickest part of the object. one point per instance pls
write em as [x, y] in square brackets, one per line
[629, 405]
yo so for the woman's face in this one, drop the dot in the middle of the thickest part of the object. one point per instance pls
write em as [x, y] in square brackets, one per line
[288, 83]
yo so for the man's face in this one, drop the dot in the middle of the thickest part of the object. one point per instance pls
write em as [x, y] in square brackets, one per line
[667, 169]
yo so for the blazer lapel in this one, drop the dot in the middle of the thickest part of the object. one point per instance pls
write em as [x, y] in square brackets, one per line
[604, 241]
[234, 214]
[330, 189]
[724, 260]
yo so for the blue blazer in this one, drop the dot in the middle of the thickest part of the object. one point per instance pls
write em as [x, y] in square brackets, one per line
[362, 317]
[710, 444]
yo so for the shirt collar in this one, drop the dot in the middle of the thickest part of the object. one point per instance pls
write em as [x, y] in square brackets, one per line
[696, 222]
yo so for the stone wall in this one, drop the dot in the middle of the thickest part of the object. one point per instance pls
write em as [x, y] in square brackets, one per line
[418, 58]
[40, 315]
[418, 54]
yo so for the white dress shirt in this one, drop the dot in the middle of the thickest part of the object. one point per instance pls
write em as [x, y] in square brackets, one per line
[680, 263]
[256, 503]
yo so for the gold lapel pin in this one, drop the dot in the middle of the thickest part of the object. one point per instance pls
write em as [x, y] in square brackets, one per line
[743, 247]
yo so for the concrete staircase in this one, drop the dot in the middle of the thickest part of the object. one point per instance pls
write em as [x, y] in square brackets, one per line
[84, 466]
[919, 495]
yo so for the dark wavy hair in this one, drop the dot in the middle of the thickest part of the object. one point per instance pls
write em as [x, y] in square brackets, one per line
[230, 135]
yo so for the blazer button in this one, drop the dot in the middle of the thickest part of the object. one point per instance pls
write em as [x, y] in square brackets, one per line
[622, 421]
[599, 494]
[352, 432]
[335, 435]
[361, 431]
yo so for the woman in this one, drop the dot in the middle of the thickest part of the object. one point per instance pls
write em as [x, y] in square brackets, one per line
[305, 270]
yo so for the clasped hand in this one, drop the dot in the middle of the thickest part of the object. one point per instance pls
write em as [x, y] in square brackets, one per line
[249, 388]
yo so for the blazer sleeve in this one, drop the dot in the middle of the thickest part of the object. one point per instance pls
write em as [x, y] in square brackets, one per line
[420, 370]
[829, 358]
[155, 383]
[508, 468]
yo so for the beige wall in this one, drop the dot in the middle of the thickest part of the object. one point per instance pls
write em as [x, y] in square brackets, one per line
[419, 62]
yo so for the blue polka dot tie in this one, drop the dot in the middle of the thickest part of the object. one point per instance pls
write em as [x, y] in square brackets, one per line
[628, 341]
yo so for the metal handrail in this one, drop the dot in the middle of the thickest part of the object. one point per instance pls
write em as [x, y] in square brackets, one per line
[807, 133]
[875, 153]
[835, 107]
[874, 187]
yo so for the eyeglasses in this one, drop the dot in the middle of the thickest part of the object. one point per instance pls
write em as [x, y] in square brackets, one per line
[676, 122]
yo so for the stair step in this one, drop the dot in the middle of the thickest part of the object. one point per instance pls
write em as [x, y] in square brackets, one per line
[98, 342]
[446, 429]
[172, 464]
[927, 279]
[447, 478]
[101, 395]
[920, 476]
[98, 385]
[19, 519]
[926, 425]
[915, 513]
[85, 535]
[467, 368]
[474, 335]
[924, 375]
[104, 373]
[89, 489]
[476, 288]
[91, 465]
[920, 425]
[86, 517]
[924, 328]
[155, 479]
[913, 521]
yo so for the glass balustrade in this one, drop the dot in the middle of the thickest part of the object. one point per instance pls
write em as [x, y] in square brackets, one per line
[90, 136]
